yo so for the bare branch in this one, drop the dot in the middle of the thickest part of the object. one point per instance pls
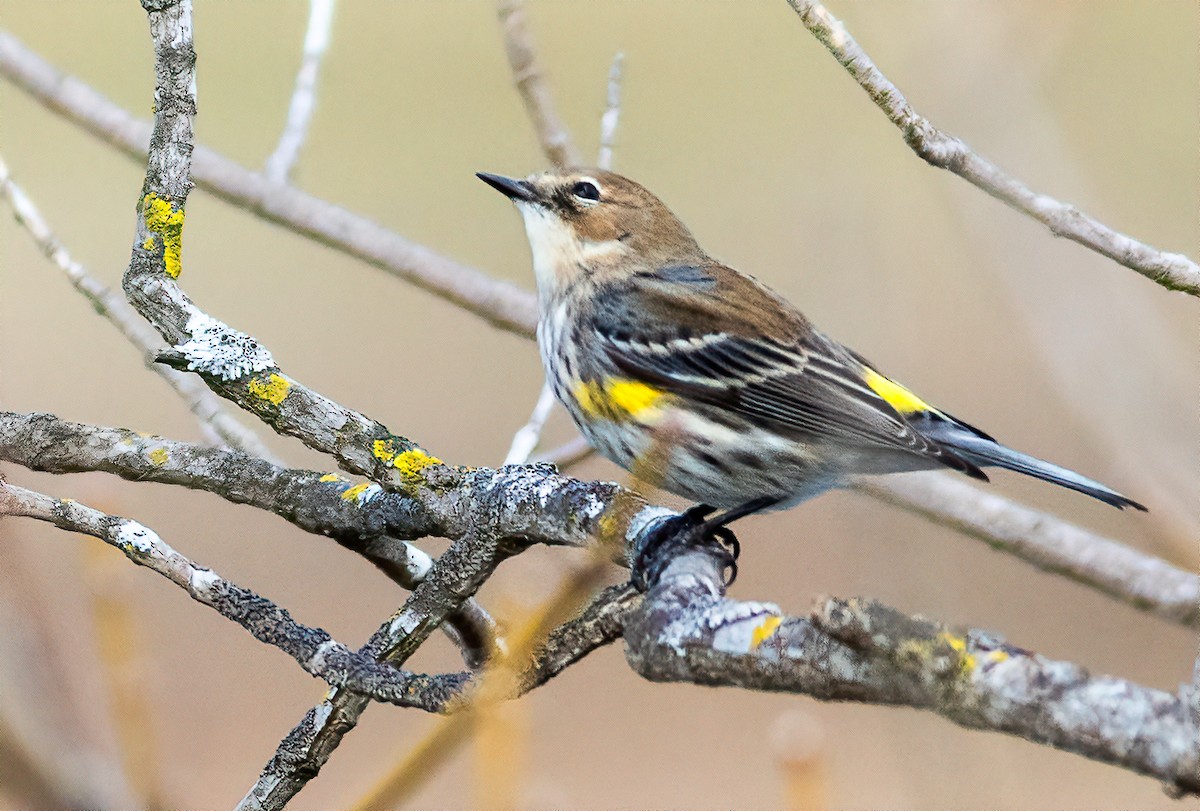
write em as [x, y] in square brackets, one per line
[498, 302]
[1171, 270]
[860, 650]
[566, 455]
[528, 435]
[612, 113]
[205, 405]
[304, 95]
[1140, 580]
[315, 651]
[518, 45]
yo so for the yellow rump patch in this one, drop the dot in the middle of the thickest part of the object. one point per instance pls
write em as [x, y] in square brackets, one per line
[894, 394]
[617, 399]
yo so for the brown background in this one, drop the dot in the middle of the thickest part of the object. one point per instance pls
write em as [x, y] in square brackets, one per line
[744, 124]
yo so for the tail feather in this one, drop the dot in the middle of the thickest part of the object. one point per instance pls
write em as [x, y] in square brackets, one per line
[983, 450]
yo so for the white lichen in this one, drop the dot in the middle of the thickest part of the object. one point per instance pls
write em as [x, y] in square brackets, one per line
[203, 580]
[140, 538]
[217, 349]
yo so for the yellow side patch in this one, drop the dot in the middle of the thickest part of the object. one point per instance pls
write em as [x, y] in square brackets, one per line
[765, 630]
[274, 389]
[617, 399]
[894, 394]
[330, 477]
[166, 221]
[158, 457]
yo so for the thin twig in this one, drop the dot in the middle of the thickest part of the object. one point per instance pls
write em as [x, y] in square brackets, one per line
[539, 105]
[498, 302]
[1171, 270]
[528, 435]
[304, 96]
[205, 405]
[612, 113]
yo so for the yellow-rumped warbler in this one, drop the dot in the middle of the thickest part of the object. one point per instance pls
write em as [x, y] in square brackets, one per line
[714, 385]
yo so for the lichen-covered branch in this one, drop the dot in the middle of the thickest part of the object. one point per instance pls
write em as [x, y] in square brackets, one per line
[206, 406]
[1171, 270]
[313, 649]
[860, 650]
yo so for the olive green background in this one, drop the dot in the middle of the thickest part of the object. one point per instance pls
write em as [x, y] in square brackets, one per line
[782, 167]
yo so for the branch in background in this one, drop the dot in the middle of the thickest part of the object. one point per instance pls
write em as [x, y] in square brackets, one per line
[518, 46]
[205, 405]
[498, 302]
[304, 95]
[859, 650]
[1171, 270]
[612, 113]
[528, 435]
[566, 455]
[312, 648]
[1137, 579]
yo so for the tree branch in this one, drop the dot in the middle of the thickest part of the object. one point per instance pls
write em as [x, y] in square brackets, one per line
[1143, 581]
[204, 405]
[1171, 270]
[527, 76]
[498, 302]
[860, 650]
[315, 651]
[304, 96]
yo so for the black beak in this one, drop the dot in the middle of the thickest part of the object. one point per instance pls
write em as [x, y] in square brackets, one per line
[512, 189]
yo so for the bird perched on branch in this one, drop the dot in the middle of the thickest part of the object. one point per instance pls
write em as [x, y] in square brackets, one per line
[709, 383]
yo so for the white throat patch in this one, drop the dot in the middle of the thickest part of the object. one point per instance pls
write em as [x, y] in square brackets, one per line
[558, 254]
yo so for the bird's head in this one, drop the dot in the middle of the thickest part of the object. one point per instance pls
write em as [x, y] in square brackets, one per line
[590, 221]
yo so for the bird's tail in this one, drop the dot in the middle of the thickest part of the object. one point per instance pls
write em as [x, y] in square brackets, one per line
[977, 447]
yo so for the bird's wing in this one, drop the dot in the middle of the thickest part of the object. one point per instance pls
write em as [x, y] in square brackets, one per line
[709, 334]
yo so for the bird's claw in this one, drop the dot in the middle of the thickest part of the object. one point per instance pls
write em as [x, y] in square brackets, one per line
[657, 547]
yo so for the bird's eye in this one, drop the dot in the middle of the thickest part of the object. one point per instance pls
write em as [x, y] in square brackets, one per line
[585, 190]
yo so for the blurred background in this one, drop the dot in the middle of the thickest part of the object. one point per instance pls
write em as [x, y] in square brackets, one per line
[780, 164]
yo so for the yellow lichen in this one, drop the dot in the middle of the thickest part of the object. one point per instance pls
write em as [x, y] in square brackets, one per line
[765, 630]
[384, 450]
[274, 389]
[411, 463]
[166, 221]
[330, 477]
[352, 493]
[148, 245]
[158, 457]
[966, 661]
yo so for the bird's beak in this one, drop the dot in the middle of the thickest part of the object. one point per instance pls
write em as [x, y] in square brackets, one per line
[512, 189]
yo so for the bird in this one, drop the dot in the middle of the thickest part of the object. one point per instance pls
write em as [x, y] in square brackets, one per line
[707, 383]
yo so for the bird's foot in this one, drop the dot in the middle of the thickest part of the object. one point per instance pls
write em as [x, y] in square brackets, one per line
[658, 547]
